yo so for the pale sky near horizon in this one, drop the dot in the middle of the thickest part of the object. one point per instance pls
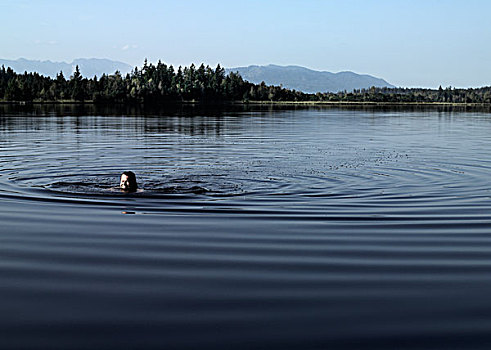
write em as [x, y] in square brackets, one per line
[417, 43]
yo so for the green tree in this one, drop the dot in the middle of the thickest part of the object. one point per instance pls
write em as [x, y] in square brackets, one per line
[13, 91]
[76, 85]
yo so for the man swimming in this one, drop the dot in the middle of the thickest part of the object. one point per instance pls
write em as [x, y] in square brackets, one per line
[128, 181]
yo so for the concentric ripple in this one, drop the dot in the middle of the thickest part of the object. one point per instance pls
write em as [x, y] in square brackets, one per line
[300, 161]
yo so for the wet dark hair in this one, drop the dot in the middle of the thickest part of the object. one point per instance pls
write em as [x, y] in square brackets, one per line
[131, 179]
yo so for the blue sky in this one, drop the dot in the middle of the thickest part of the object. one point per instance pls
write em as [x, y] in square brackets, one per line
[408, 43]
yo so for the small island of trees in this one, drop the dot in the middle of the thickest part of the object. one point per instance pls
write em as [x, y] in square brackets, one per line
[160, 84]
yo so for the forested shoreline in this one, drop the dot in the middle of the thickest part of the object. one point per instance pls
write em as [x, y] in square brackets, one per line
[160, 84]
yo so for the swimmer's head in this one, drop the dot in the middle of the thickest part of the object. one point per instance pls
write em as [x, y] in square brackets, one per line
[128, 181]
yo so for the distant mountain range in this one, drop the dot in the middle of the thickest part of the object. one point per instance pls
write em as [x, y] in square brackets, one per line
[291, 77]
[88, 66]
[307, 80]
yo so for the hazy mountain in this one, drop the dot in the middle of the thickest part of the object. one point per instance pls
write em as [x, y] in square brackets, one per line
[292, 77]
[88, 66]
[307, 80]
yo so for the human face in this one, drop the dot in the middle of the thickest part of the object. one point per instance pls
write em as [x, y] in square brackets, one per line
[124, 183]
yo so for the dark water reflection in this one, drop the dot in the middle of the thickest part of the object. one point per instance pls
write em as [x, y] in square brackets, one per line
[254, 228]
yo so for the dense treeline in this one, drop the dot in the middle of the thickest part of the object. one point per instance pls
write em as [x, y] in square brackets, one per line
[413, 95]
[154, 84]
[150, 84]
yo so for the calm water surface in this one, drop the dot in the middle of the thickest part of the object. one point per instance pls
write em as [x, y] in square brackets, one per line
[253, 229]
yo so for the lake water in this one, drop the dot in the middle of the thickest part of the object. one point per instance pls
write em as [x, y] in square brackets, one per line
[252, 229]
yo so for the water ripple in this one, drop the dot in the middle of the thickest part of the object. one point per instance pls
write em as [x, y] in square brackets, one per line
[301, 229]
